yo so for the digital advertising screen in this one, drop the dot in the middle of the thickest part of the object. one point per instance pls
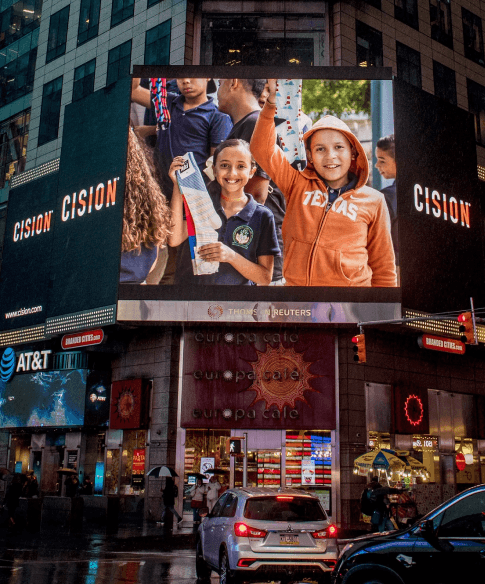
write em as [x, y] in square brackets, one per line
[440, 203]
[27, 249]
[44, 399]
[258, 198]
[61, 249]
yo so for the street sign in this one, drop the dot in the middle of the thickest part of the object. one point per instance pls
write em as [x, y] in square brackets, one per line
[442, 344]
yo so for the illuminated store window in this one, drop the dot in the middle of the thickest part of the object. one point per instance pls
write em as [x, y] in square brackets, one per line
[407, 11]
[440, 20]
[309, 463]
[119, 60]
[121, 10]
[476, 105]
[206, 449]
[14, 134]
[408, 64]
[17, 67]
[50, 111]
[83, 80]
[18, 20]
[473, 37]
[272, 39]
[157, 44]
[88, 20]
[56, 42]
[369, 45]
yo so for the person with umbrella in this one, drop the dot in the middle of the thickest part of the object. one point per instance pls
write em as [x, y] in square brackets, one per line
[169, 494]
[197, 493]
[213, 489]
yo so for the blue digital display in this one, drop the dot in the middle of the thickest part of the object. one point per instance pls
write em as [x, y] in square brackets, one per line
[44, 399]
[99, 478]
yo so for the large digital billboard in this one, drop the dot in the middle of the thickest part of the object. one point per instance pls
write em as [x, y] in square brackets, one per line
[440, 203]
[275, 211]
[61, 249]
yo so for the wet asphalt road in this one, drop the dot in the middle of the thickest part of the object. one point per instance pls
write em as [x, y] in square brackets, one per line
[133, 556]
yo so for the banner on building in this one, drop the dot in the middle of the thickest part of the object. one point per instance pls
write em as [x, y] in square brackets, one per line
[258, 378]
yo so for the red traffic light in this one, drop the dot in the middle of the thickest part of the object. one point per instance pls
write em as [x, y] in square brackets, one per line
[359, 348]
[467, 328]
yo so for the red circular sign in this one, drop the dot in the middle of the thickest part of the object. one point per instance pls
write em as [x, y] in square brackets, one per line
[460, 461]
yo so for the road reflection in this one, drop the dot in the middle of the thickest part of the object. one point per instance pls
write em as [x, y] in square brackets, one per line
[123, 568]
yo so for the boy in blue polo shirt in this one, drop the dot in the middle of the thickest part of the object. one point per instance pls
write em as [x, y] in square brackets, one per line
[247, 238]
[196, 125]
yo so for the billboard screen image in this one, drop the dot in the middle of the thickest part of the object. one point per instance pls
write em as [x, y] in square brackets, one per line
[259, 191]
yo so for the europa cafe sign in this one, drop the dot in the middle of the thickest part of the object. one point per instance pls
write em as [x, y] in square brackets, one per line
[259, 379]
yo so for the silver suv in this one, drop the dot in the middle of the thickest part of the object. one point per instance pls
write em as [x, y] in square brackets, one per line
[260, 535]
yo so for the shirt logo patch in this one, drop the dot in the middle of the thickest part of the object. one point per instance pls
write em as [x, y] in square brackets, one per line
[242, 236]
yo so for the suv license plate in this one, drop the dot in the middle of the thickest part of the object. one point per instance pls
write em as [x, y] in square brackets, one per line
[288, 539]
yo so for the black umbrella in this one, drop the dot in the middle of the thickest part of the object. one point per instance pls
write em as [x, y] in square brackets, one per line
[67, 471]
[198, 475]
[217, 471]
[162, 471]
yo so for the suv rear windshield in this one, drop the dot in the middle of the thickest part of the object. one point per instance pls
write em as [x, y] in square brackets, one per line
[284, 509]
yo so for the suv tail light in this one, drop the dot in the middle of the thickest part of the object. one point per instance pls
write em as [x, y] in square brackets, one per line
[330, 533]
[243, 530]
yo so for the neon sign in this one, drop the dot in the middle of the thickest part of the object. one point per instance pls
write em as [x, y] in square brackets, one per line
[414, 410]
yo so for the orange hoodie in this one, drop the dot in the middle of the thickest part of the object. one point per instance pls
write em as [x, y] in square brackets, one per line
[350, 245]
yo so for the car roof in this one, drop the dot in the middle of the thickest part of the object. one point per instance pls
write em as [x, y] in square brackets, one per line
[268, 492]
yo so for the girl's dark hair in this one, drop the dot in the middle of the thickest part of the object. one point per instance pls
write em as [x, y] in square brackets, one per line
[233, 143]
[387, 144]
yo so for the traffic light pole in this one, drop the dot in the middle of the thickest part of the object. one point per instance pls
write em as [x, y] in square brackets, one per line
[245, 461]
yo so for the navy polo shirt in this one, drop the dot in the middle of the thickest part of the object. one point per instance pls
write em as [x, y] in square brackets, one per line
[194, 130]
[250, 233]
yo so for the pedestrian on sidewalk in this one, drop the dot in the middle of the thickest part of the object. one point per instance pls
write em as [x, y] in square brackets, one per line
[169, 494]
[197, 492]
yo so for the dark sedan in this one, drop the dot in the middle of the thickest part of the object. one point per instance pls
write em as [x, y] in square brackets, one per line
[443, 547]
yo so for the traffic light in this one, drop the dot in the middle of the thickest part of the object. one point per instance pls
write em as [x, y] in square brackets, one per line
[466, 328]
[359, 348]
[234, 446]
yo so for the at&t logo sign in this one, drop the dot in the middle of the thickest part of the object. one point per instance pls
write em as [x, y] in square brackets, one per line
[26, 361]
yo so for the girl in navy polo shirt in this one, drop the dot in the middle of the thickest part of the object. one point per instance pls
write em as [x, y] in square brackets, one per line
[247, 238]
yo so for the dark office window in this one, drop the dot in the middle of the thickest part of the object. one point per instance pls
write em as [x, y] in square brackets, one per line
[88, 20]
[444, 82]
[83, 80]
[407, 11]
[153, 2]
[375, 3]
[18, 20]
[50, 111]
[56, 43]
[157, 44]
[121, 10]
[248, 39]
[369, 45]
[440, 19]
[17, 68]
[472, 37]
[408, 64]
[119, 60]
[14, 135]
[476, 105]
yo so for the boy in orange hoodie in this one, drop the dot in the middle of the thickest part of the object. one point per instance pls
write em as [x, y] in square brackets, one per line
[336, 230]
